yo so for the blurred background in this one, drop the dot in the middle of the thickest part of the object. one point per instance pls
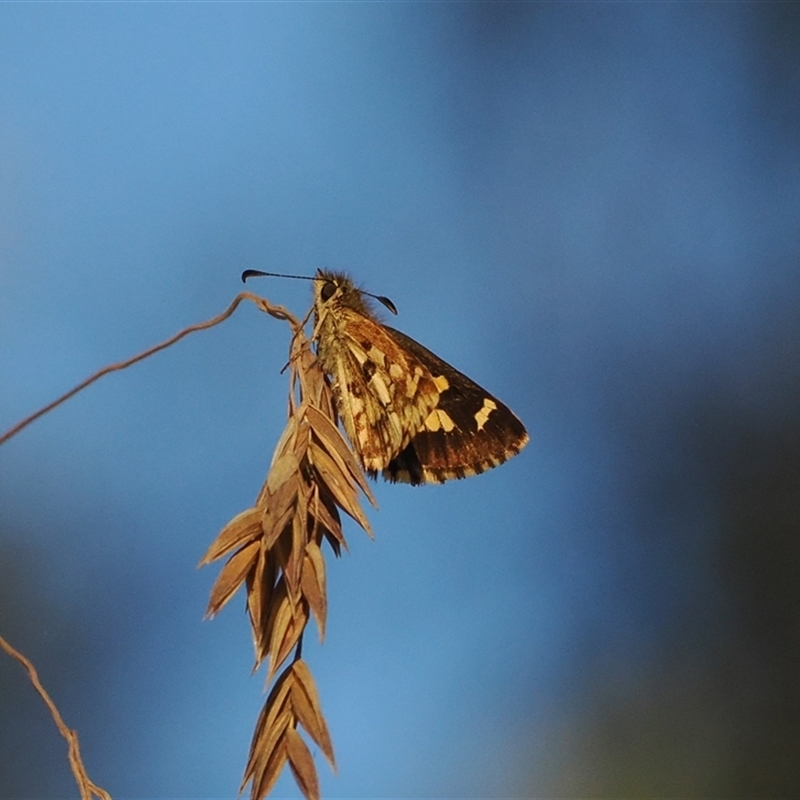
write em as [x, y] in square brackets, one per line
[591, 209]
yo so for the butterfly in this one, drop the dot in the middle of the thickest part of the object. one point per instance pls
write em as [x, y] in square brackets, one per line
[408, 414]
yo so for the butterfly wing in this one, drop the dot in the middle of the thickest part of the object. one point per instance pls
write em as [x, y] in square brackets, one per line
[406, 412]
[467, 432]
[383, 392]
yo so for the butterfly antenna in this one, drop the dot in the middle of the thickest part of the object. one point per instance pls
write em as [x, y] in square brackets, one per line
[254, 273]
[384, 301]
[257, 273]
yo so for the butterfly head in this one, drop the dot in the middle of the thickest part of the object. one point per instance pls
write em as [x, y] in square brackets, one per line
[336, 290]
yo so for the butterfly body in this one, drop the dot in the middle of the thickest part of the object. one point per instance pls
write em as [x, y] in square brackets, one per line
[407, 413]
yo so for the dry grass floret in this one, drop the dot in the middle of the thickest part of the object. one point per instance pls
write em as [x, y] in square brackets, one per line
[275, 549]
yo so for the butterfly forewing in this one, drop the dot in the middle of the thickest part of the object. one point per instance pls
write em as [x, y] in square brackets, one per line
[383, 394]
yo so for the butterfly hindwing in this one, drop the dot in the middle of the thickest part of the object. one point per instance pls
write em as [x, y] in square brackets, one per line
[469, 431]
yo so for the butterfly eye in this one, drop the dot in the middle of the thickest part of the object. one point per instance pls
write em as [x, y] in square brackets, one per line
[328, 290]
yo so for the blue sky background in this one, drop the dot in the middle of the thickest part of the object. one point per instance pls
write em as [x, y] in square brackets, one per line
[592, 209]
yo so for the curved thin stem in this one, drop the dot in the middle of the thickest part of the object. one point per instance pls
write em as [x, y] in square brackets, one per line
[86, 787]
[276, 311]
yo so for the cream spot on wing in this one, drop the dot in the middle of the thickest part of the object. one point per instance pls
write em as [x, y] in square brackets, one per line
[482, 416]
[395, 371]
[394, 424]
[432, 421]
[360, 355]
[411, 385]
[439, 419]
[447, 422]
[441, 383]
[377, 356]
[380, 389]
[356, 404]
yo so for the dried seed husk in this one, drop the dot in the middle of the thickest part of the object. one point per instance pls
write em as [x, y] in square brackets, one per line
[302, 764]
[243, 528]
[231, 576]
[333, 441]
[304, 684]
[339, 484]
[312, 584]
